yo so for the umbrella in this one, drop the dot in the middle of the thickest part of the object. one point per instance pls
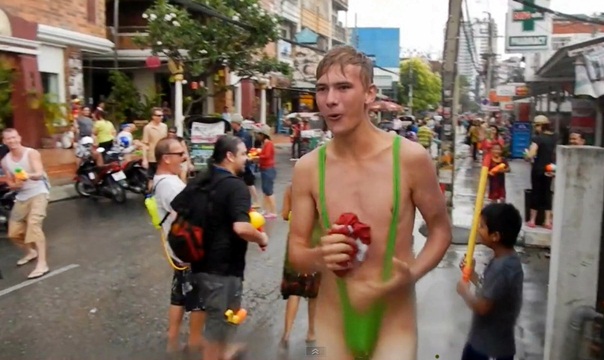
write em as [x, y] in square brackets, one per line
[385, 106]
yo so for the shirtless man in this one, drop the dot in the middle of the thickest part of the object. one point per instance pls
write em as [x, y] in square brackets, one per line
[366, 156]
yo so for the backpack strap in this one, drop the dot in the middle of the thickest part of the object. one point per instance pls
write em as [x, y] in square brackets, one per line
[153, 194]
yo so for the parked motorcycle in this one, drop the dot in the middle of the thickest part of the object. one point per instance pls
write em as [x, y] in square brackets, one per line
[7, 201]
[136, 175]
[99, 181]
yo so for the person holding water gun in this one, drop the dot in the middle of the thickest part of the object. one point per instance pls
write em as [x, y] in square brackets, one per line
[28, 178]
[498, 166]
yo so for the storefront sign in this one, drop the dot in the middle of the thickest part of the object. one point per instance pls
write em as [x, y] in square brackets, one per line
[206, 133]
[527, 29]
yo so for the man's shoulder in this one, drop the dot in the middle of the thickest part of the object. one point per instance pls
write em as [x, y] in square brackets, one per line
[167, 182]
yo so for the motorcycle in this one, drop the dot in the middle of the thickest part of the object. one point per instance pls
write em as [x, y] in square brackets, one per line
[136, 175]
[99, 181]
[7, 201]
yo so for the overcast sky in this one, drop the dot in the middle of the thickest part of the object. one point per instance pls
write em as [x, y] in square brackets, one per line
[422, 22]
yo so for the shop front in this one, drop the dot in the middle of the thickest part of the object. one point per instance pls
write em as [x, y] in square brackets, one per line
[573, 75]
[19, 53]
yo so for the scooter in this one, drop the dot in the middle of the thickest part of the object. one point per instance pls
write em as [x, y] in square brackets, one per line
[7, 201]
[100, 181]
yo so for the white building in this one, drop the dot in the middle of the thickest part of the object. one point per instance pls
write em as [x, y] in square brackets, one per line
[467, 57]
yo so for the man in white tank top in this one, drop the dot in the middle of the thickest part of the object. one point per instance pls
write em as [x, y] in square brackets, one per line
[25, 173]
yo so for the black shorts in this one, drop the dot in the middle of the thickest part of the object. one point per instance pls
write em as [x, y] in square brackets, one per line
[469, 353]
[151, 170]
[185, 292]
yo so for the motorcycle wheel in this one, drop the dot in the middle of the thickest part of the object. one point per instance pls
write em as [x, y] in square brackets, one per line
[82, 188]
[118, 193]
[139, 182]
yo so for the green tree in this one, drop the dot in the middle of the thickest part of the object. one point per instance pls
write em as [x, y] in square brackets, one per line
[206, 44]
[6, 90]
[124, 101]
[427, 85]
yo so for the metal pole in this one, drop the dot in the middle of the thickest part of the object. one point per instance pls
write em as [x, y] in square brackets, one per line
[446, 158]
[116, 24]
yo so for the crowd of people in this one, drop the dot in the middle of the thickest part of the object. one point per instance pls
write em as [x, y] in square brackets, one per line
[350, 241]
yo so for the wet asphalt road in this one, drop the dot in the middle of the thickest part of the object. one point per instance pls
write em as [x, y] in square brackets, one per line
[109, 293]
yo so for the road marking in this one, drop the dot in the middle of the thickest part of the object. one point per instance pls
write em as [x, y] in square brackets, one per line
[31, 282]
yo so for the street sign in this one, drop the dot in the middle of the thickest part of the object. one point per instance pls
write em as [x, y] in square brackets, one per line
[527, 29]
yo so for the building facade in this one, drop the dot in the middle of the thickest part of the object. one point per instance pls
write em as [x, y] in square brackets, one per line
[383, 46]
[47, 42]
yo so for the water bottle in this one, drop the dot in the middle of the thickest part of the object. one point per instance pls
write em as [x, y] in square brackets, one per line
[151, 205]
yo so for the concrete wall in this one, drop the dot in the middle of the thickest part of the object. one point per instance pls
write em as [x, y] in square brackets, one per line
[578, 205]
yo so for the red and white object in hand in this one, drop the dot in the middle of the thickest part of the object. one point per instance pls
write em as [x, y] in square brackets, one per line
[349, 224]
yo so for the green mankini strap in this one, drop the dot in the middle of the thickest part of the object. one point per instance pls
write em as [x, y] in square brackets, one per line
[362, 329]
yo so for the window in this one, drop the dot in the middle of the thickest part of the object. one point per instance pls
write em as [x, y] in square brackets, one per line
[50, 84]
[91, 11]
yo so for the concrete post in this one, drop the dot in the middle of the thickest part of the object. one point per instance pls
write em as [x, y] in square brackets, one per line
[575, 250]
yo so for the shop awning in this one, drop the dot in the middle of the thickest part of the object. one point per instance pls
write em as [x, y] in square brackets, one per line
[559, 70]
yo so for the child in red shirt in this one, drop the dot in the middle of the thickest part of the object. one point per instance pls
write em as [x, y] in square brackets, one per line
[497, 179]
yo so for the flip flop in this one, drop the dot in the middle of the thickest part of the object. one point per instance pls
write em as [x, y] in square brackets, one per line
[26, 259]
[38, 273]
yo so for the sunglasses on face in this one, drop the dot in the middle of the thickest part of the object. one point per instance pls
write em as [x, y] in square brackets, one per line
[158, 115]
[180, 153]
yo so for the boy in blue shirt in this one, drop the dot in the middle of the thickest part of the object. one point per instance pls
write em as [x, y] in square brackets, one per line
[498, 298]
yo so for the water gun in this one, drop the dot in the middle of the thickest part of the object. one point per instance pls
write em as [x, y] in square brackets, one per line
[497, 169]
[254, 153]
[235, 318]
[550, 168]
[151, 205]
[257, 220]
[20, 174]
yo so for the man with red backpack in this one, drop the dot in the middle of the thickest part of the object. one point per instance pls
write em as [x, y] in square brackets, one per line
[213, 219]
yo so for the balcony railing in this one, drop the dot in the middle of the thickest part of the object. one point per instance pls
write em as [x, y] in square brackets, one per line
[340, 5]
[339, 33]
[126, 35]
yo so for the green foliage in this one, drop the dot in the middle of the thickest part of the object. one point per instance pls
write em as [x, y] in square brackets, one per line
[6, 89]
[427, 85]
[55, 113]
[207, 44]
[124, 100]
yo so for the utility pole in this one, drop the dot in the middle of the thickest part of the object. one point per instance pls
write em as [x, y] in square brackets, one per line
[446, 158]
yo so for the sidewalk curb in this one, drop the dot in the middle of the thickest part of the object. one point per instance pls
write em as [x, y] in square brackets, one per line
[62, 193]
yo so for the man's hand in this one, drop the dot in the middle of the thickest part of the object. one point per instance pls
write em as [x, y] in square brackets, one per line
[364, 293]
[337, 251]
[145, 164]
[15, 185]
[263, 243]
[463, 288]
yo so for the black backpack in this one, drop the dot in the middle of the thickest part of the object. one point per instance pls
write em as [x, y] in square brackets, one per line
[193, 206]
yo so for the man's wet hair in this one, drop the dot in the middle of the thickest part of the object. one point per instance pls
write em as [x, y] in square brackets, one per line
[163, 147]
[343, 56]
[504, 219]
[222, 147]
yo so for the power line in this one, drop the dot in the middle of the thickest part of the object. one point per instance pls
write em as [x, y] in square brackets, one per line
[585, 19]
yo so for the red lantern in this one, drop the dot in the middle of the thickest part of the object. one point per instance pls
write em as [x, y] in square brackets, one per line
[194, 85]
[153, 62]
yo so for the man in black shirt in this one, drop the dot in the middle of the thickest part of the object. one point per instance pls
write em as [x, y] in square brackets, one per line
[541, 153]
[219, 275]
